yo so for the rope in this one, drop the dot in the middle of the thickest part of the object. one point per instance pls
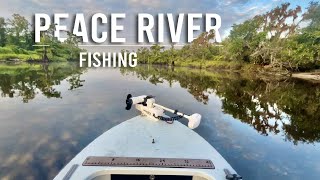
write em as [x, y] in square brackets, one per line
[169, 120]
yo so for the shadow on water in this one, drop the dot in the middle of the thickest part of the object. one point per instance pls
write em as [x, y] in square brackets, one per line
[285, 106]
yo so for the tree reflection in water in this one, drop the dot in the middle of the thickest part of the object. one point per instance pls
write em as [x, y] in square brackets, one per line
[25, 80]
[291, 107]
[39, 138]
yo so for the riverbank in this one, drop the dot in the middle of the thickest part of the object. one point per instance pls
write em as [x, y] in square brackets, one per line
[26, 58]
[8, 54]
[253, 69]
[235, 66]
[246, 68]
[57, 52]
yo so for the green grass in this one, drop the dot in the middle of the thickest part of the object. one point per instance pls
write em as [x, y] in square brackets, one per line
[13, 52]
[6, 50]
[212, 64]
[22, 57]
[58, 59]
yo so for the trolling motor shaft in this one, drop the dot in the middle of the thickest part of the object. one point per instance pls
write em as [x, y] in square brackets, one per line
[147, 106]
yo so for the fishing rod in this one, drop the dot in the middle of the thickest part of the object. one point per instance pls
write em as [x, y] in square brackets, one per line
[146, 104]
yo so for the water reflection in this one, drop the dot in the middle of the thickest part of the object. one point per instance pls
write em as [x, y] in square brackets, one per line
[39, 137]
[25, 80]
[273, 106]
[291, 107]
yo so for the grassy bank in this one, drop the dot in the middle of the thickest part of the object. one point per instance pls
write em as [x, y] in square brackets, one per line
[17, 42]
[211, 64]
[60, 53]
[220, 65]
[15, 53]
[251, 70]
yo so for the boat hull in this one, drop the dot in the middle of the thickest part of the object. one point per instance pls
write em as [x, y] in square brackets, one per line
[145, 138]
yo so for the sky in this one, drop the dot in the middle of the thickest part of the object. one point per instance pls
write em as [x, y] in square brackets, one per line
[231, 11]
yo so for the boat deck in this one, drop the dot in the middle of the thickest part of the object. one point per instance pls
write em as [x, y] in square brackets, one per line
[146, 138]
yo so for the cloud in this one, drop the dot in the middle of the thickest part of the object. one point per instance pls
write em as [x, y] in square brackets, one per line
[231, 11]
[145, 3]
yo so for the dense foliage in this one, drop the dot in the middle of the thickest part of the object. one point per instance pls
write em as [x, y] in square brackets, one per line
[281, 38]
[17, 42]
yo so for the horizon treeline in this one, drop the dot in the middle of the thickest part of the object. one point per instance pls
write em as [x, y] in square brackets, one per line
[17, 42]
[283, 38]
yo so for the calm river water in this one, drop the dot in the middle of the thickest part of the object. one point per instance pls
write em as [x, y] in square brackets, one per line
[265, 128]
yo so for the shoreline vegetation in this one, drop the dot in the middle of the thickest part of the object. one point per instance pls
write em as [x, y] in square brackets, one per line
[282, 41]
[17, 43]
[273, 43]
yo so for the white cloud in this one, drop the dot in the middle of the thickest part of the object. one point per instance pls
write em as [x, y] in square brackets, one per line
[231, 11]
[146, 3]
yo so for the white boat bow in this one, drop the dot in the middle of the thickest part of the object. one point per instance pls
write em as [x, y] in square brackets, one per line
[148, 144]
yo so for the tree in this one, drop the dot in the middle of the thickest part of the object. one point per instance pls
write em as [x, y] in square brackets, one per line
[18, 30]
[156, 50]
[281, 21]
[265, 39]
[172, 54]
[49, 43]
[301, 51]
[313, 15]
[244, 39]
[274, 40]
[204, 39]
[3, 38]
[279, 24]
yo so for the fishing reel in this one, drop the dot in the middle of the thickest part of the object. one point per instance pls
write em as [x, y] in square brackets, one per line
[147, 106]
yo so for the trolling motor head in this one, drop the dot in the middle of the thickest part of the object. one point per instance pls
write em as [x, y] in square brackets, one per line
[194, 120]
[146, 104]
